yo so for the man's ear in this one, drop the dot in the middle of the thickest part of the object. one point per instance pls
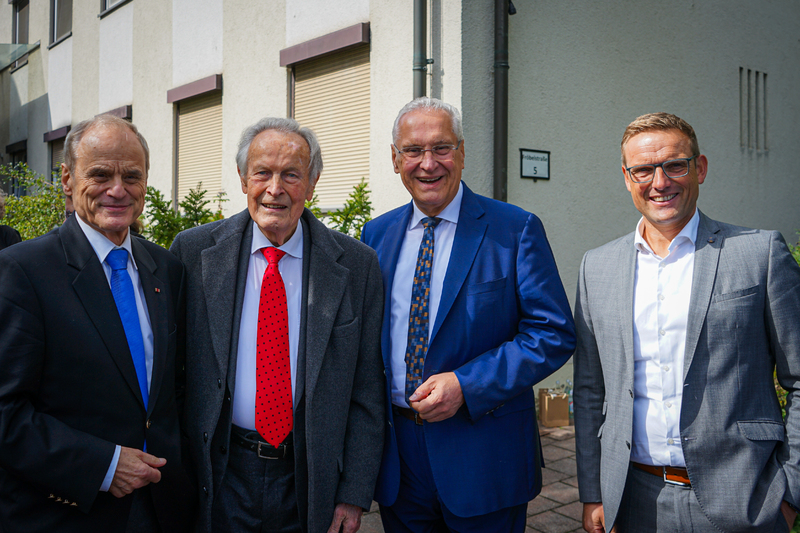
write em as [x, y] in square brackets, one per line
[395, 162]
[65, 178]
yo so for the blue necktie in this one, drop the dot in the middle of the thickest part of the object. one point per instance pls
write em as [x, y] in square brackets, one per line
[122, 288]
[417, 345]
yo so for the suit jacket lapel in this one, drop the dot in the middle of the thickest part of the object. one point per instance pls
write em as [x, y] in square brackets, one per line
[157, 308]
[625, 292]
[220, 287]
[469, 234]
[706, 257]
[91, 286]
[326, 280]
[388, 254]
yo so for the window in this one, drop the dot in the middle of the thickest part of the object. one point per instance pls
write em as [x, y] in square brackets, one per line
[18, 153]
[56, 157]
[108, 4]
[753, 109]
[61, 19]
[332, 97]
[199, 153]
[20, 28]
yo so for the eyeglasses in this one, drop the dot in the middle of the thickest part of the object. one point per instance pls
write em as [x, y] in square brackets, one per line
[674, 168]
[439, 152]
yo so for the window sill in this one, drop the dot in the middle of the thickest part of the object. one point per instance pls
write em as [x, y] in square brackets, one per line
[110, 10]
[60, 40]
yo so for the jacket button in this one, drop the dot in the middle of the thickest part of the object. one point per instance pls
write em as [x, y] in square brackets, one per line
[148, 424]
[223, 449]
[628, 444]
[219, 383]
[205, 491]
[205, 437]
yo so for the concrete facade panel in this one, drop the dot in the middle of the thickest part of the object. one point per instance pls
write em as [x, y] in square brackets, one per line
[308, 19]
[197, 38]
[116, 58]
[59, 84]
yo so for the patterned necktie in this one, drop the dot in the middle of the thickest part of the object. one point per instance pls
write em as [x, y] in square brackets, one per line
[122, 289]
[273, 371]
[417, 345]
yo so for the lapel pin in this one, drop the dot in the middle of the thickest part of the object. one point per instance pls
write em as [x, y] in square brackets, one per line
[711, 240]
[158, 290]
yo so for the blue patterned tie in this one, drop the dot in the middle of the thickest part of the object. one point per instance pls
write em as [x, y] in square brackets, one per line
[122, 288]
[417, 345]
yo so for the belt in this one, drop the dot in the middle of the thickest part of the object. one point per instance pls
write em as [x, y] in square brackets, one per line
[251, 440]
[670, 474]
[407, 413]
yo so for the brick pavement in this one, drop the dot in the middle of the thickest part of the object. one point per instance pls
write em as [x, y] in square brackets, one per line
[556, 509]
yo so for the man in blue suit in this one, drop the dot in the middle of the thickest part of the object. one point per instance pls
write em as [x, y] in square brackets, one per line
[475, 315]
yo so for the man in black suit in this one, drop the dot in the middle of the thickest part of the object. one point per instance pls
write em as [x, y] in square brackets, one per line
[91, 347]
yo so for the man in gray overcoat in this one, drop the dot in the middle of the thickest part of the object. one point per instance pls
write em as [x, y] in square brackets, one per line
[680, 326]
[285, 380]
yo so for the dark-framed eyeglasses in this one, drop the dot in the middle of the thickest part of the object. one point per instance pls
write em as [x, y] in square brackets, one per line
[439, 152]
[674, 168]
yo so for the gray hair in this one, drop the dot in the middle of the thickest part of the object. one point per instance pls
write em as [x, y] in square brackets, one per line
[76, 134]
[283, 125]
[425, 102]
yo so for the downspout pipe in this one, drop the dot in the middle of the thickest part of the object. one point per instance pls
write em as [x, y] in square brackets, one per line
[420, 47]
[500, 178]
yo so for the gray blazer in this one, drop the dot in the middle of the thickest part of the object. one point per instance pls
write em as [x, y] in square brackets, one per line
[744, 319]
[339, 411]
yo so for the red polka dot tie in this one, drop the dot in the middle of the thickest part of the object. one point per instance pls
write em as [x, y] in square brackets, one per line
[273, 371]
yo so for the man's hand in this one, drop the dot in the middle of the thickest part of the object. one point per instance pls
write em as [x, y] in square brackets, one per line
[135, 469]
[788, 513]
[346, 518]
[438, 398]
[594, 520]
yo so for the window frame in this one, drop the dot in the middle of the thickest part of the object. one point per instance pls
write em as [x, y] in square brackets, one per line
[56, 7]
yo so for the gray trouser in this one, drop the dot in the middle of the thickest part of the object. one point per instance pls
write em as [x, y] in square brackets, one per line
[651, 505]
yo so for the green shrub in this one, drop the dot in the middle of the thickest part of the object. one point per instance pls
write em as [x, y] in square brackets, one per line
[351, 218]
[162, 223]
[40, 209]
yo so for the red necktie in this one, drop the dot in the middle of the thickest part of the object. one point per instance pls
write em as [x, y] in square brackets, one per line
[273, 371]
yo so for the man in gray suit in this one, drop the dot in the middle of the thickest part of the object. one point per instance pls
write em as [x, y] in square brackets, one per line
[680, 326]
[284, 372]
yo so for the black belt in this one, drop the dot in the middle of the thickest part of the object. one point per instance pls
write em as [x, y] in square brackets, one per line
[251, 440]
[407, 413]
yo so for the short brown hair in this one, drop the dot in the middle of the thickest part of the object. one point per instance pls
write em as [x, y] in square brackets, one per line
[659, 122]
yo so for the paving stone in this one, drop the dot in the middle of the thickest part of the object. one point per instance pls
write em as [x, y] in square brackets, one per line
[554, 453]
[547, 441]
[565, 466]
[550, 476]
[550, 522]
[540, 505]
[562, 433]
[560, 492]
[572, 510]
[571, 481]
[567, 444]
[371, 523]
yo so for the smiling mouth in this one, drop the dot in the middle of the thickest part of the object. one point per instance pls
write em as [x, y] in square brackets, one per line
[274, 206]
[430, 180]
[663, 198]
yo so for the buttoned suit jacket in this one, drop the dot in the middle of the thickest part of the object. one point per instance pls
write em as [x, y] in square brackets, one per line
[338, 416]
[744, 314]
[503, 324]
[69, 391]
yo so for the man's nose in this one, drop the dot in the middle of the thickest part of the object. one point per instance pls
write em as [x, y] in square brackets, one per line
[428, 161]
[660, 178]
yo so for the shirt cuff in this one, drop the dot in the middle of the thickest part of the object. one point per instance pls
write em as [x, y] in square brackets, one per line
[112, 469]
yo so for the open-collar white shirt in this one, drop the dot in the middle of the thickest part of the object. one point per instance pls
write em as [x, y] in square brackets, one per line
[662, 290]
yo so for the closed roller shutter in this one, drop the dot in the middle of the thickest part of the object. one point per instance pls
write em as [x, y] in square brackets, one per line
[200, 145]
[331, 96]
[56, 154]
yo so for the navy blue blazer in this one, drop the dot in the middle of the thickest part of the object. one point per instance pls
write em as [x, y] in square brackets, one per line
[503, 324]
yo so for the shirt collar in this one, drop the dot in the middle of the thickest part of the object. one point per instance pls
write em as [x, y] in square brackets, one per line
[293, 247]
[688, 233]
[449, 213]
[102, 244]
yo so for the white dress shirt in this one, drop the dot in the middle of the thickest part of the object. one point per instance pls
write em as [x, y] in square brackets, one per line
[102, 246]
[291, 269]
[444, 233]
[662, 289]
